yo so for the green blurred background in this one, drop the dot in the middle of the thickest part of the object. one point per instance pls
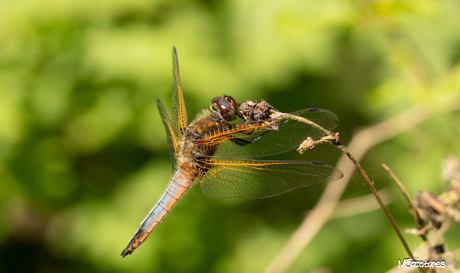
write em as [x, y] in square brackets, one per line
[83, 153]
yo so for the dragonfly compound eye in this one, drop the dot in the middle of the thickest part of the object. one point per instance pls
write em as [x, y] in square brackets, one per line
[215, 100]
[232, 101]
[226, 108]
[215, 104]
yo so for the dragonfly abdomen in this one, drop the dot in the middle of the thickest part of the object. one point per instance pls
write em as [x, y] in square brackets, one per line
[180, 183]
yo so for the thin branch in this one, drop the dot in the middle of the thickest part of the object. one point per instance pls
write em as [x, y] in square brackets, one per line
[413, 208]
[406, 195]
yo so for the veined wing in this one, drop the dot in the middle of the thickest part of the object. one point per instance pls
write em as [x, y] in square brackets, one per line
[179, 113]
[171, 136]
[239, 178]
[233, 141]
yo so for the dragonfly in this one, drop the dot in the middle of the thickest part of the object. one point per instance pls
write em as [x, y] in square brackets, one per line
[219, 154]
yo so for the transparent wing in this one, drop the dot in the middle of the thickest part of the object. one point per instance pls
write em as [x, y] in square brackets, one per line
[179, 113]
[239, 178]
[233, 141]
[172, 138]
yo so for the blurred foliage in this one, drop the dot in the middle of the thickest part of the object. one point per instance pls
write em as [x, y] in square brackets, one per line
[83, 154]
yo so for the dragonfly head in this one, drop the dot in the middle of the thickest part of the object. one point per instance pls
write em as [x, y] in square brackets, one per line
[225, 106]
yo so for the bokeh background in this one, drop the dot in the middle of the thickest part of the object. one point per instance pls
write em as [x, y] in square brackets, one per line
[83, 154]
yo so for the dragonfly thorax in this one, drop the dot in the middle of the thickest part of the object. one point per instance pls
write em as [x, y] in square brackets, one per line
[199, 128]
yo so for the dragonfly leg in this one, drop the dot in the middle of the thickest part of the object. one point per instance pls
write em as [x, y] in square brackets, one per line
[243, 142]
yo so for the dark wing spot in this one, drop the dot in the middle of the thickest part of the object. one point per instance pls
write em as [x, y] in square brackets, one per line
[317, 163]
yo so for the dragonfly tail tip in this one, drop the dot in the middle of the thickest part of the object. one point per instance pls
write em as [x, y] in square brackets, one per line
[126, 252]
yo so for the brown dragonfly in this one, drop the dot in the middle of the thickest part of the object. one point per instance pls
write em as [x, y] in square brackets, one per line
[219, 154]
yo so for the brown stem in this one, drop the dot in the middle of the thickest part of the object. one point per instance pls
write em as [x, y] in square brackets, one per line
[414, 210]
